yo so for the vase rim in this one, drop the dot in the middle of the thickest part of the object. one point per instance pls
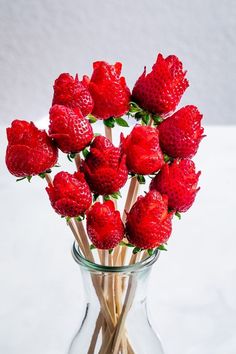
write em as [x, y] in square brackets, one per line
[92, 266]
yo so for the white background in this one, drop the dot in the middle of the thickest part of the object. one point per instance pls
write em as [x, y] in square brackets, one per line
[192, 290]
[41, 39]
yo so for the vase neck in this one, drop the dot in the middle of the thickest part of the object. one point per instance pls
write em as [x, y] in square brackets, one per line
[94, 267]
[99, 278]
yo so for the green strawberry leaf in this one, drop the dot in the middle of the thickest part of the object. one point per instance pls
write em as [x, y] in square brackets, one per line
[42, 175]
[71, 156]
[123, 243]
[150, 252]
[166, 158]
[145, 119]
[134, 107]
[85, 153]
[157, 119]
[110, 122]
[136, 250]
[162, 248]
[138, 116]
[29, 178]
[121, 122]
[80, 218]
[111, 250]
[95, 197]
[141, 179]
[20, 179]
[92, 119]
[116, 195]
[106, 197]
[178, 215]
[92, 247]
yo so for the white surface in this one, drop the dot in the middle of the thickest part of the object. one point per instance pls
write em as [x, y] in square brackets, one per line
[41, 39]
[192, 291]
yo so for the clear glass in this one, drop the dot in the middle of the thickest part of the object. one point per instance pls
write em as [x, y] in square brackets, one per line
[115, 311]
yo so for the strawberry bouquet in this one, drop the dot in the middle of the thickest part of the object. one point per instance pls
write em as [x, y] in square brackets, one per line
[156, 153]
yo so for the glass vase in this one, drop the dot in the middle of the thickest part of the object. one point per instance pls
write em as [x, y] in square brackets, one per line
[115, 317]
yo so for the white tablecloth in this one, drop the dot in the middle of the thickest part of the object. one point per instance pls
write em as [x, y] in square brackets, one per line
[192, 290]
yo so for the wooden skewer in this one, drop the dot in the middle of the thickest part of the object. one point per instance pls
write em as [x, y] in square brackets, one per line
[76, 236]
[77, 161]
[98, 326]
[108, 133]
[48, 178]
[111, 289]
[130, 195]
[132, 188]
[113, 344]
[84, 239]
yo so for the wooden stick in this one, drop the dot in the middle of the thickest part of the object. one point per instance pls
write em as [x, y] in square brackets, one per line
[127, 303]
[123, 251]
[105, 255]
[100, 255]
[112, 346]
[134, 258]
[70, 223]
[108, 133]
[77, 161]
[123, 345]
[48, 178]
[84, 239]
[128, 203]
[96, 333]
[118, 332]
[111, 289]
[145, 255]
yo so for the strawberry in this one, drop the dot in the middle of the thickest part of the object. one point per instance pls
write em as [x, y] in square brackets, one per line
[104, 226]
[69, 129]
[104, 167]
[69, 194]
[180, 134]
[30, 151]
[143, 153]
[160, 91]
[148, 222]
[72, 93]
[109, 91]
[179, 182]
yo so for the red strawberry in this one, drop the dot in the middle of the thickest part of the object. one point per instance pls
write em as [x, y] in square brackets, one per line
[179, 182]
[104, 226]
[109, 91]
[143, 153]
[160, 91]
[148, 222]
[72, 93]
[180, 134]
[70, 130]
[30, 151]
[69, 194]
[104, 167]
